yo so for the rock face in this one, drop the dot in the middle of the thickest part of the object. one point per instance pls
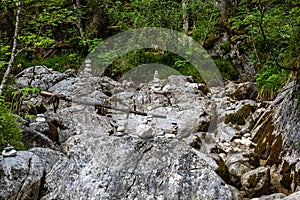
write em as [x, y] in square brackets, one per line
[229, 48]
[127, 168]
[22, 176]
[41, 76]
[127, 156]
[166, 139]
[256, 182]
[277, 134]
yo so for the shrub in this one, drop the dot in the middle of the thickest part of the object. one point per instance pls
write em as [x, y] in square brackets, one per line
[10, 132]
[226, 68]
[270, 80]
[57, 62]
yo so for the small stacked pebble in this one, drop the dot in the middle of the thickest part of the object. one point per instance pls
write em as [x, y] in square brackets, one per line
[9, 151]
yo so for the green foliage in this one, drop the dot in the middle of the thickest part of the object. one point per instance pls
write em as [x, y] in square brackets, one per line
[58, 63]
[204, 17]
[226, 68]
[186, 68]
[150, 13]
[225, 46]
[10, 132]
[59, 34]
[134, 59]
[269, 80]
[270, 30]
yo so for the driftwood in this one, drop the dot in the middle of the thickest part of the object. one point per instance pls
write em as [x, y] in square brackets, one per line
[57, 97]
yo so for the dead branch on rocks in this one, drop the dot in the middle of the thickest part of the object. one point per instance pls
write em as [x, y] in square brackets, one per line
[57, 97]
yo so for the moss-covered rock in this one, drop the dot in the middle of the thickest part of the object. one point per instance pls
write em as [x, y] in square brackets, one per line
[211, 39]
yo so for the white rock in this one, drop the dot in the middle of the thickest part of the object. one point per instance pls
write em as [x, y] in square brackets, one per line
[244, 130]
[168, 135]
[121, 128]
[161, 133]
[223, 156]
[245, 141]
[40, 119]
[144, 131]
[226, 144]
[9, 153]
[236, 149]
[237, 141]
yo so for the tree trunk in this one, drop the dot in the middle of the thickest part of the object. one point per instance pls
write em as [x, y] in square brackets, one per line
[185, 16]
[224, 9]
[13, 51]
[78, 21]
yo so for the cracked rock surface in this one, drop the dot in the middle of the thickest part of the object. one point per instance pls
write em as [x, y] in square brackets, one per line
[166, 139]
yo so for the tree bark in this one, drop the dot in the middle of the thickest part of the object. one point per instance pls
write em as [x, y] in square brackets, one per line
[13, 51]
[224, 9]
[185, 16]
[78, 21]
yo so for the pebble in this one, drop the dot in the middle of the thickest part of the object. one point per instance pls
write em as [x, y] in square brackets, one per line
[161, 133]
[246, 142]
[237, 141]
[226, 144]
[9, 151]
[40, 119]
[121, 128]
[236, 149]
[118, 133]
[229, 149]
[144, 131]
[168, 135]
[245, 130]
[247, 135]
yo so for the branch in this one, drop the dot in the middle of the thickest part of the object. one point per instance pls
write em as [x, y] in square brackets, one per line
[101, 105]
[12, 57]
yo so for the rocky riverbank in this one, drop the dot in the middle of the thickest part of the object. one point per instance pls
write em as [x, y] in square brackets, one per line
[195, 142]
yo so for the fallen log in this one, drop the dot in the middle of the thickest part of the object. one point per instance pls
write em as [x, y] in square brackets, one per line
[101, 105]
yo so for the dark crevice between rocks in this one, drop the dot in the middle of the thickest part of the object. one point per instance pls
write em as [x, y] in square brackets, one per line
[53, 130]
[223, 171]
[130, 186]
[42, 190]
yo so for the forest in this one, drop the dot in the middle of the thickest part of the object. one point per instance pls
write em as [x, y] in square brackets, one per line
[59, 34]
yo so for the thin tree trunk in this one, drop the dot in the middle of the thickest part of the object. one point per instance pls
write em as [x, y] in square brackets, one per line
[224, 9]
[13, 51]
[78, 21]
[185, 16]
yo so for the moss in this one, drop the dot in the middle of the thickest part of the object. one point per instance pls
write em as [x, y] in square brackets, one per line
[254, 179]
[225, 46]
[196, 143]
[210, 40]
[276, 148]
[227, 70]
[222, 170]
[253, 159]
